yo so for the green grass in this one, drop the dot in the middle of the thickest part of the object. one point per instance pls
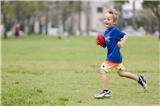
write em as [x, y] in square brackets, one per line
[42, 70]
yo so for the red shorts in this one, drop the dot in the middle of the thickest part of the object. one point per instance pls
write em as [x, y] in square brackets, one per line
[108, 66]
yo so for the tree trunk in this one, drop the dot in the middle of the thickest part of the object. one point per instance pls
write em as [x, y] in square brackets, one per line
[29, 27]
[159, 27]
[68, 14]
[133, 18]
[79, 24]
[32, 25]
[46, 24]
[39, 19]
[88, 18]
[156, 12]
[121, 24]
[60, 26]
[5, 25]
[72, 17]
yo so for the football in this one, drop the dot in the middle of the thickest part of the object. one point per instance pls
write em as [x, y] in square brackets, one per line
[101, 40]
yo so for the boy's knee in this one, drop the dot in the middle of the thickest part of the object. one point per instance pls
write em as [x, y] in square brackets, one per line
[102, 71]
[121, 73]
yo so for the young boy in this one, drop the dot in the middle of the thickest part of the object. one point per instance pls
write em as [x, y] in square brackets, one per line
[114, 56]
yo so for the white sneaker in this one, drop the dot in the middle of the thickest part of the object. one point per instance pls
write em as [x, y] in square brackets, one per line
[103, 94]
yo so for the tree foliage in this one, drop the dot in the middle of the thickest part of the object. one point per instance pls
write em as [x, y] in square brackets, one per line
[118, 7]
[155, 7]
[20, 11]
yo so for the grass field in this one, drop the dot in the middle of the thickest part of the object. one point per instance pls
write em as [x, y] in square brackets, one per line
[42, 70]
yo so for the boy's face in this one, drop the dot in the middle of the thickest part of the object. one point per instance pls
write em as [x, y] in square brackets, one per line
[108, 21]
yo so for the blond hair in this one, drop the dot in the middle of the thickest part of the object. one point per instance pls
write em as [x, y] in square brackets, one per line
[114, 13]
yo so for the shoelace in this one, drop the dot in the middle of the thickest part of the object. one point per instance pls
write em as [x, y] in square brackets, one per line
[104, 92]
[140, 81]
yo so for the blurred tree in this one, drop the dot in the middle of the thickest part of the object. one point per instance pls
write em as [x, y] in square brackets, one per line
[72, 11]
[57, 10]
[133, 18]
[46, 21]
[155, 7]
[88, 17]
[42, 7]
[65, 14]
[118, 7]
[22, 10]
[148, 20]
[31, 11]
[60, 26]
[67, 9]
[6, 14]
[79, 15]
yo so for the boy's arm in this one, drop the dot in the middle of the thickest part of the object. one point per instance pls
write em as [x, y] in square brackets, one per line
[120, 44]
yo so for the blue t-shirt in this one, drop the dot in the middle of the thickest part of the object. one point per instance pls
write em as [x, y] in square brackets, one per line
[112, 37]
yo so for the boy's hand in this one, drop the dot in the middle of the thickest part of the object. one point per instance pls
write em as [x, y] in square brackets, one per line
[97, 42]
[120, 44]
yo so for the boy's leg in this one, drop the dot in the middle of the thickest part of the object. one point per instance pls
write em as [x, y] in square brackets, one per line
[128, 75]
[105, 92]
[141, 79]
[104, 79]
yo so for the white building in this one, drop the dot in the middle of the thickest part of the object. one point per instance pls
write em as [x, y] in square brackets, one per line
[98, 10]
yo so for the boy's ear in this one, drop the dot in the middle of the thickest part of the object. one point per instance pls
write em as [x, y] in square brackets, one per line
[115, 21]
